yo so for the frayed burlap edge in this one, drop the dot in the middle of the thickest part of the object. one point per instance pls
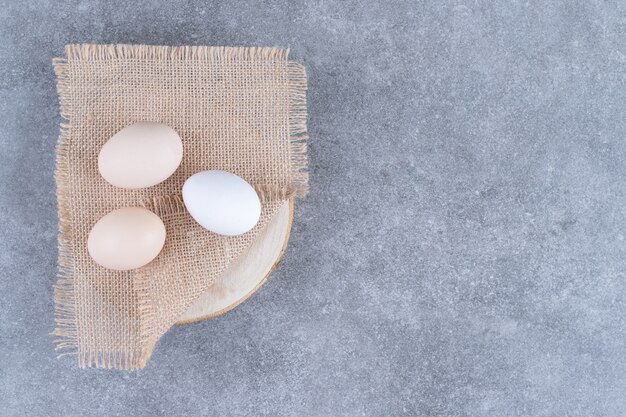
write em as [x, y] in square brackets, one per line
[298, 136]
[66, 332]
[90, 52]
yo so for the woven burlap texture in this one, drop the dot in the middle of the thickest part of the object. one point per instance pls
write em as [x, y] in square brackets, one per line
[241, 110]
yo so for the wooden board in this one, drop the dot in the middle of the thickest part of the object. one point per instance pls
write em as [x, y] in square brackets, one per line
[247, 273]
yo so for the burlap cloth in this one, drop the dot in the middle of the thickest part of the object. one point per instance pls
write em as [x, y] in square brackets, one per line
[241, 110]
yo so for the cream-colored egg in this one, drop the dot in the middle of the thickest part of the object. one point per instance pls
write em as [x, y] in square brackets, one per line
[127, 238]
[140, 155]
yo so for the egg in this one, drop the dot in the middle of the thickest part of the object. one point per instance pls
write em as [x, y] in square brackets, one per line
[222, 202]
[127, 238]
[140, 155]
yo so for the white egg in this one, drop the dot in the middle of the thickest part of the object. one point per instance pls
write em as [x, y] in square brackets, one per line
[127, 238]
[222, 202]
[140, 155]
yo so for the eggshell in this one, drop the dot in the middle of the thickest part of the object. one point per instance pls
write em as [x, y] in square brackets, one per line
[222, 202]
[140, 155]
[127, 238]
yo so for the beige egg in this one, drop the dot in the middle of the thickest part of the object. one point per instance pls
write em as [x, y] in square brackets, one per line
[140, 155]
[127, 238]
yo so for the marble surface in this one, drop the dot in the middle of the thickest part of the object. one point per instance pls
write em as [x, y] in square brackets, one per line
[461, 252]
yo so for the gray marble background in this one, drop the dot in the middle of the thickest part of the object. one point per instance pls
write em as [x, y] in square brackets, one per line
[461, 252]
